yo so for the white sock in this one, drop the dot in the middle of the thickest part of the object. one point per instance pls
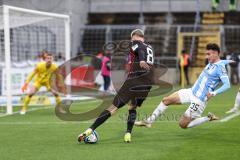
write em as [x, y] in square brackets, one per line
[198, 121]
[237, 101]
[159, 110]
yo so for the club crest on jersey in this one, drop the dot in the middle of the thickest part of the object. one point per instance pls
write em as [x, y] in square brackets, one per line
[134, 47]
[210, 68]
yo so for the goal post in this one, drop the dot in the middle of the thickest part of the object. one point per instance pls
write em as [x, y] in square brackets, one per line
[25, 33]
[198, 56]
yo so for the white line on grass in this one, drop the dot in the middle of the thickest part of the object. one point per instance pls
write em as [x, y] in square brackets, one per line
[29, 110]
[64, 122]
[40, 123]
[40, 108]
[230, 117]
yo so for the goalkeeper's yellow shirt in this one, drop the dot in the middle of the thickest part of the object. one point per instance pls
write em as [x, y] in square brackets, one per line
[42, 73]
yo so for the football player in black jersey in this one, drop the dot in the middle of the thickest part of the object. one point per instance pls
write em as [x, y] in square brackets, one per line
[136, 87]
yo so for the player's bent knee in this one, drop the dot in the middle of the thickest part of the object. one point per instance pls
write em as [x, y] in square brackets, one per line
[55, 94]
[30, 95]
[131, 107]
[112, 109]
[166, 100]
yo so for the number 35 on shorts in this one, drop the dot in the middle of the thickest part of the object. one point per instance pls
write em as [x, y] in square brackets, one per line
[194, 106]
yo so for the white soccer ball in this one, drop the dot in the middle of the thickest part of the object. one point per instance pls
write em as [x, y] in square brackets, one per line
[92, 138]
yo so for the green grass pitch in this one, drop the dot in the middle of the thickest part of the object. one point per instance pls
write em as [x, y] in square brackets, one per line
[40, 135]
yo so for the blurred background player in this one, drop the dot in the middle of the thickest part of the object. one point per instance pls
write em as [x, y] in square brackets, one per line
[42, 74]
[236, 106]
[199, 94]
[142, 58]
[105, 70]
[184, 62]
[234, 68]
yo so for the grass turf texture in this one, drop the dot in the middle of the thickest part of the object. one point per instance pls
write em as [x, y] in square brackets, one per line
[41, 135]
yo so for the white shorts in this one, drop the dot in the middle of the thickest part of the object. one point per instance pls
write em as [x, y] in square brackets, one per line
[196, 106]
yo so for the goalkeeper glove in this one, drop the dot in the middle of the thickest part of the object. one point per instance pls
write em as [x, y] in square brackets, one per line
[24, 87]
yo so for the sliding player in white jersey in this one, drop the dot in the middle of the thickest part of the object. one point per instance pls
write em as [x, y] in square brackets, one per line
[203, 89]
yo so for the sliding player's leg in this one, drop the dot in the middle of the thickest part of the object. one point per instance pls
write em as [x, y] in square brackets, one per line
[179, 97]
[192, 116]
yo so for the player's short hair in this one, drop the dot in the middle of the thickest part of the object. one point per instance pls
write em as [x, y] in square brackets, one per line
[213, 46]
[50, 54]
[138, 32]
[43, 54]
[184, 51]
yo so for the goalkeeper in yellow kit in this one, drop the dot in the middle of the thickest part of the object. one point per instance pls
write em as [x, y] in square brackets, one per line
[42, 74]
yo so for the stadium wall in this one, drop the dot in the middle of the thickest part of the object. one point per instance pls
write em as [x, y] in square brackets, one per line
[134, 6]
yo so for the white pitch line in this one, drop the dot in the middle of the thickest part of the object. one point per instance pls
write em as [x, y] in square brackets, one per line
[40, 123]
[68, 122]
[40, 108]
[29, 110]
[230, 117]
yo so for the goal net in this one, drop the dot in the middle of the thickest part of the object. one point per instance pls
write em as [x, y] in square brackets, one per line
[24, 34]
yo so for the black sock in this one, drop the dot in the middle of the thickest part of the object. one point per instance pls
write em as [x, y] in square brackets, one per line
[101, 119]
[132, 115]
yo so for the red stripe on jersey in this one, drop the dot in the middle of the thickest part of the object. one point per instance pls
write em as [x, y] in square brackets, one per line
[131, 60]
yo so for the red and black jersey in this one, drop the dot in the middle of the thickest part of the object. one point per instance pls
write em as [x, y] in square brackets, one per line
[140, 51]
[139, 81]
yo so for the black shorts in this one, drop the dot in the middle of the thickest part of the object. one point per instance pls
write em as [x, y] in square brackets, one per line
[135, 90]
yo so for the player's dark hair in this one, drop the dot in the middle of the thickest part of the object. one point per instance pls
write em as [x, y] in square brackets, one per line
[213, 46]
[50, 54]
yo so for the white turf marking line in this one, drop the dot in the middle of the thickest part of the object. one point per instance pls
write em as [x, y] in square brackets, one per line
[29, 110]
[40, 108]
[230, 117]
[40, 123]
[64, 122]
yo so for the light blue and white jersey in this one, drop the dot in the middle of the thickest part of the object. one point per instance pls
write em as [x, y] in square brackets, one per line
[210, 78]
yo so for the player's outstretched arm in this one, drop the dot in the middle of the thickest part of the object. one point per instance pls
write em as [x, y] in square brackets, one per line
[228, 61]
[226, 85]
[30, 77]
